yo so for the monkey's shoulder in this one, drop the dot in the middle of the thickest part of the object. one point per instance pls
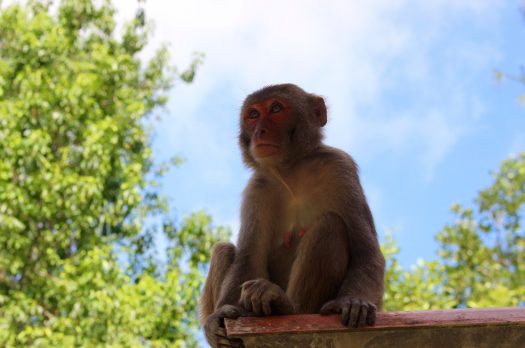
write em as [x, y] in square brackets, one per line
[331, 160]
[321, 167]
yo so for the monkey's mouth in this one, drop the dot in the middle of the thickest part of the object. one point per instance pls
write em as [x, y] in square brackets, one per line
[265, 150]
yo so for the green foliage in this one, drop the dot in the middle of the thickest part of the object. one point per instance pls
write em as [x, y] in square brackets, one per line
[481, 255]
[421, 287]
[80, 206]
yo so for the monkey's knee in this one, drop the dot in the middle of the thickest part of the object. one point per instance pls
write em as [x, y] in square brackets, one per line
[321, 264]
[326, 239]
[222, 257]
[318, 252]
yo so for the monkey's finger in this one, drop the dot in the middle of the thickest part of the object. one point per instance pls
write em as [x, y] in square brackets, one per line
[230, 312]
[224, 342]
[266, 308]
[221, 332]
[256, 305]
[330, 308]
[241, 302]
[345, 313]
[248, 284]
[229, 342]
[371, 318]
[354, 313]
[246, 303]
[363, 315]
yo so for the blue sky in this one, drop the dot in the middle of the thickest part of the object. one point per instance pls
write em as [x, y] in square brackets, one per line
[409, 84]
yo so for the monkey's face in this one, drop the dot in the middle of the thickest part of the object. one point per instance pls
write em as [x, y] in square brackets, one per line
[267, 124]
[279, 124]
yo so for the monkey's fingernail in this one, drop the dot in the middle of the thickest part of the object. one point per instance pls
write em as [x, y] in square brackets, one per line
[302, 231]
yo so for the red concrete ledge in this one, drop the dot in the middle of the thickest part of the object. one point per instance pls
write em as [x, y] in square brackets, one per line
[460, 328]
[386, 320]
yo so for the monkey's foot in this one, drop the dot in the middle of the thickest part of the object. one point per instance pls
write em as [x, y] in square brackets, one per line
[214, 327]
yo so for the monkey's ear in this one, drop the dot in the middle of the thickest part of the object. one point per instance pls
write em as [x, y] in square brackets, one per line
[320, 110]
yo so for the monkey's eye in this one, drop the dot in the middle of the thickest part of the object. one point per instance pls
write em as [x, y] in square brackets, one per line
[253, 114]
[276, 107]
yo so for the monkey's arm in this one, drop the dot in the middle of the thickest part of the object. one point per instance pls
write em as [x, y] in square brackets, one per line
[366, 267]
[361, 292]
[365, 275]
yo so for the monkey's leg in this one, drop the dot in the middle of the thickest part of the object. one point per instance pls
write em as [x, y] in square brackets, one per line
[320, 265]
[222, 257]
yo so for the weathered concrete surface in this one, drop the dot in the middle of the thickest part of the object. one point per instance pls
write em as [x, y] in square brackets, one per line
[464, 337]
[465, 328]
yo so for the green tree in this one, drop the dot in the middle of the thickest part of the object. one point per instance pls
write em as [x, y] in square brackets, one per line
[481, 254]
[80, 204]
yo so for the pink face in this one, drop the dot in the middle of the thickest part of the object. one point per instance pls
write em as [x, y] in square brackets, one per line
[266, 122]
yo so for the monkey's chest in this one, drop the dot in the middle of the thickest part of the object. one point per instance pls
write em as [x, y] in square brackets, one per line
[298, 216]
[294, 224]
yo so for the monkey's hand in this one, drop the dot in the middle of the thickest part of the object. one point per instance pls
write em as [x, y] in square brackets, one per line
[262, 297]
[354, 312]
[214, 327]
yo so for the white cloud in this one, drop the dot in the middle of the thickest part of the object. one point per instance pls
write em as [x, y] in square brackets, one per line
[356, 53]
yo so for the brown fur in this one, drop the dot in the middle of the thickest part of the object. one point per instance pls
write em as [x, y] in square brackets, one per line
[336, 266]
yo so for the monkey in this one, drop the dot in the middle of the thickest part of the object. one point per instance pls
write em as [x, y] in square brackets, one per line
[307, 241]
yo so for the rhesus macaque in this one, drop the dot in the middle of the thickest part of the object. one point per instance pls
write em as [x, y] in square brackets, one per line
[307, 242]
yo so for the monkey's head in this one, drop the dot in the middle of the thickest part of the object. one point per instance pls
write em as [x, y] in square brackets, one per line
[280, 124]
